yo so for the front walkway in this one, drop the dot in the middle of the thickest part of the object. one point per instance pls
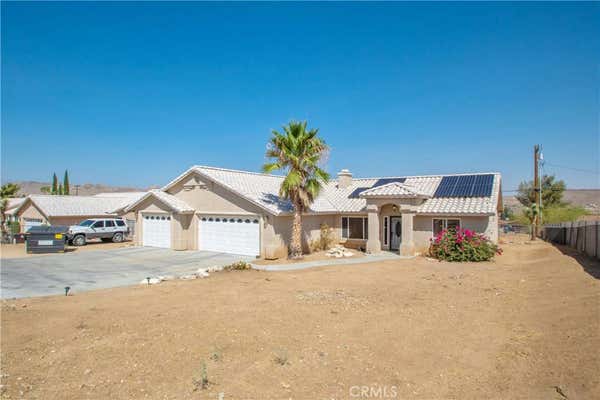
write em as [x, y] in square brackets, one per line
[368, 258]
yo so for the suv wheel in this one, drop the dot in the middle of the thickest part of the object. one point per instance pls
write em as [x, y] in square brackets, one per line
[79, 240]
[118, 237]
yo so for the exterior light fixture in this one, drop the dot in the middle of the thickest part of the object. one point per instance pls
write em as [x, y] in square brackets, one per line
[67, 288]
[148, 280]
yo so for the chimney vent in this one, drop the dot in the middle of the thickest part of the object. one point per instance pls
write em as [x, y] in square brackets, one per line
[344, 179]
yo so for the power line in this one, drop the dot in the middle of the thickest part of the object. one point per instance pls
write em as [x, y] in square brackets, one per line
[589, 171]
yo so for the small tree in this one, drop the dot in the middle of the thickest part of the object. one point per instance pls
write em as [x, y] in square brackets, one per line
[46, 189]
[532, 214]
[54, 184]
[66, 187]
[60, 189]
[552, 192]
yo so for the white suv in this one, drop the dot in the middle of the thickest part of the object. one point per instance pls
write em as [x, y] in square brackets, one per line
[107, 229]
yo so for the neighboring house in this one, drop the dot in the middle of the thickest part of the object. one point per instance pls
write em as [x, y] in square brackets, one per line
[241, 212]
[11, 205]
[70, 210]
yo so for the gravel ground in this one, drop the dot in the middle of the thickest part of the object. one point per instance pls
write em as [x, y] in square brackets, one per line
[525, 326]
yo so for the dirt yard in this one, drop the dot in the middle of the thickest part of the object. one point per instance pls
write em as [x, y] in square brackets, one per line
[18, 250]
[524, 327]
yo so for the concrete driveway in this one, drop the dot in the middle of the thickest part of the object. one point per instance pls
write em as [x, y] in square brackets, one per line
[49, 274]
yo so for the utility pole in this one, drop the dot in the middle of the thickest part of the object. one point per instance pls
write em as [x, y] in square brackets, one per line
[537, 191]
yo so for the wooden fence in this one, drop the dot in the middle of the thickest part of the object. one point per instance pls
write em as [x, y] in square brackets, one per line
[584, 236]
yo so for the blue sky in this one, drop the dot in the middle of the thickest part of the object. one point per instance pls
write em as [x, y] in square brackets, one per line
[133, 94]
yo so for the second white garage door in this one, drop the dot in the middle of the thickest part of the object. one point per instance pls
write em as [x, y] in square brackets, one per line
[156, 230]
[230, 234]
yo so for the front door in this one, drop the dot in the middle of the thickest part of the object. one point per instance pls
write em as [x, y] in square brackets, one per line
[395, 232]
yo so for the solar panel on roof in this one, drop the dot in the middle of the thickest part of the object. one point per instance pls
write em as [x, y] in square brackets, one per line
[465, 186]
[385, 181]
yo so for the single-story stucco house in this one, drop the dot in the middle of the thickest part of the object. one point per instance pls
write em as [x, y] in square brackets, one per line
[241, 212]
[11, 205]
[37, 210]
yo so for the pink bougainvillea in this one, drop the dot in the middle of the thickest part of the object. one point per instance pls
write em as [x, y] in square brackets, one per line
[462, 245]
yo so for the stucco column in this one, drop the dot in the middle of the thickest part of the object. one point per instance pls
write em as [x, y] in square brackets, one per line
[373, 242]
[407, 247]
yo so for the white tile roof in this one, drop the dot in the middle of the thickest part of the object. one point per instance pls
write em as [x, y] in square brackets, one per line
[395, 189]
[263, 190]
[74, 206]
[173, 202]
[12, 204]
[127, 195]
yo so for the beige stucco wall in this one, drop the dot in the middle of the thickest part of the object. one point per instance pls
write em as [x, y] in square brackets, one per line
[210, 198]
[278, 231]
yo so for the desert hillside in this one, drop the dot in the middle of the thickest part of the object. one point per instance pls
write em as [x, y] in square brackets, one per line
[86, 189]
[586, 198]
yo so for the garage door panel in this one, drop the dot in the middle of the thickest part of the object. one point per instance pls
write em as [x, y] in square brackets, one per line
[230, 234]
[156, 230]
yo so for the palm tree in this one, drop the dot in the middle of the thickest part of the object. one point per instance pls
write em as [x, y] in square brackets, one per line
[298, 152]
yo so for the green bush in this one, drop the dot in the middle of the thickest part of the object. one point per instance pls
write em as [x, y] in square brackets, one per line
[462, 245]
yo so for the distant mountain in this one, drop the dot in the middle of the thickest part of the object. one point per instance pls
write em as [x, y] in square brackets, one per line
[86, 189]
[586, 198]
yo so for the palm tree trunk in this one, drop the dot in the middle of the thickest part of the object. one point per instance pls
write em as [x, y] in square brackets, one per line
[296, 245]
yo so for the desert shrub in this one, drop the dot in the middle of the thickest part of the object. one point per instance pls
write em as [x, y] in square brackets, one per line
[462, 245]
[281, 357]
[203, 382]
[237, 266]
[216, 354]
[324, 241]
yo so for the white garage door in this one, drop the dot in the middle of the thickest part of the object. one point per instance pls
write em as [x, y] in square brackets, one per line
[230, 234]
[29, 222]
[156, 230]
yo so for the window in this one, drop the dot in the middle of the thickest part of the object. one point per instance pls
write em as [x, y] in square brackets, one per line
[87, 222]
[110, 224]
[98, 224]
[441, 224]
[120, 222]
[354, 228]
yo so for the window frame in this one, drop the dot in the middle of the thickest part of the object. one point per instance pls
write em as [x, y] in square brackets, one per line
[365, 226]
[98, 222]
[444, 223]
[386, 227]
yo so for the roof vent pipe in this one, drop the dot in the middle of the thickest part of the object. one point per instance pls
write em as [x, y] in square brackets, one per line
[344, 179]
